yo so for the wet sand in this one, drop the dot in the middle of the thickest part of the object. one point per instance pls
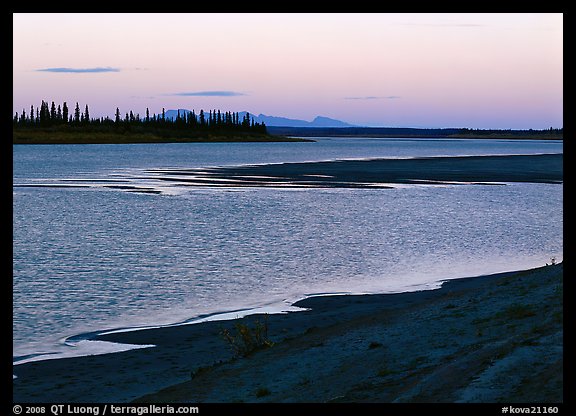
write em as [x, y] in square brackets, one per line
[546, 168]
[495, 338]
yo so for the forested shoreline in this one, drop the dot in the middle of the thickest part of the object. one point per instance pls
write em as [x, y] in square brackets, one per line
[408, 132]
[51, 123]
[51, 115]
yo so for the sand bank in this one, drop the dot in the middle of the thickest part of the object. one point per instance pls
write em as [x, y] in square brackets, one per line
[546, 168]
[495, 338]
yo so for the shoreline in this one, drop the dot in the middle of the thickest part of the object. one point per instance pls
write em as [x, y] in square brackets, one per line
[379, 172]
[274, 308]
[71, 135]
[157, 140]
[328, 323]
[113, 347]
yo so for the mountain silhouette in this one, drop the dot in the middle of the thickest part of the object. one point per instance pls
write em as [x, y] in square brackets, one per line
[275, 121]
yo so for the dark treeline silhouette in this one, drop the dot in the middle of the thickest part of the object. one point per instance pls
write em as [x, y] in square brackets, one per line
[554, 133]
[48, 116]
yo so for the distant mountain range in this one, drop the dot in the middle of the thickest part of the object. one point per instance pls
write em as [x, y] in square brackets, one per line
[274, 121]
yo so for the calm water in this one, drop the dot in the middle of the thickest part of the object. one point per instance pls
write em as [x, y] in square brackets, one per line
[91, 258]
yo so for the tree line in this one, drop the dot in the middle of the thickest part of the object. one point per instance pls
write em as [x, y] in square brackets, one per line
[46, 115]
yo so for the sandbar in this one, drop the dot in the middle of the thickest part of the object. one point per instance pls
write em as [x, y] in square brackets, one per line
[542, 168]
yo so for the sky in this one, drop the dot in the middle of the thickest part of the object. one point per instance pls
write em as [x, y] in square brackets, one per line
[477, 70]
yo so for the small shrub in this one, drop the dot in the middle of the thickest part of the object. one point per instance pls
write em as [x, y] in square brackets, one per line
[262, 391]
[246, 340]
[553, 261]
[373, 345]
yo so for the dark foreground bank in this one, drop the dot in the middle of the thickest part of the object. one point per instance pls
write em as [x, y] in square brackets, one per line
[495, 338]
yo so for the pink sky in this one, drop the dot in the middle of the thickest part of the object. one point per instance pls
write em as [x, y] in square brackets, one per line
[409, 70]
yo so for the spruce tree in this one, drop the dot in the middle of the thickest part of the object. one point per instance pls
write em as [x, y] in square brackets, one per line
[53, 113]
[202, 119]
[77, 114]
[192, 119]
[44, 113]
[65, 112]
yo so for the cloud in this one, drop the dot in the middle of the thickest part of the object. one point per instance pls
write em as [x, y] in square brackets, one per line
[209, 94]
[79, 70]
[446, 24]
[373, 97]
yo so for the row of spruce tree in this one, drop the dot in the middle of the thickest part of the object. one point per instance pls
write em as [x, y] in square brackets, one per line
[51, 115]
